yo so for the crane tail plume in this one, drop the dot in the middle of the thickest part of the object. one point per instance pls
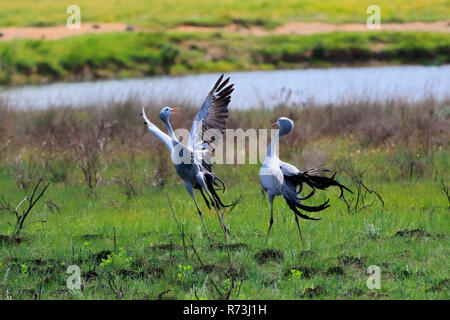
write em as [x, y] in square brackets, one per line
[294, 206]
[321, 182]
[212, 181]
[314, 179]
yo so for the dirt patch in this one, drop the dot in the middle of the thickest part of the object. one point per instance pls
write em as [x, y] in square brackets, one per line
[208, 268]
[91, 236]
[320, 27]
[307, 272]
[43, 262]
[8, 239]
[98, 257]
[57, 32]
[232, 246]
[305, 28]
[313, 292]
[356, 261]
[90, 275]
[308, 28]
[306, 253]
[335, 271]
[441, 285]
[412, 233]
[403, 274]
[267, 255]
[147, 272]
[147, 234]
[237, 273]
[131, 273]
[377, 295]
[154, 271]
[356, 292]
[166, 247]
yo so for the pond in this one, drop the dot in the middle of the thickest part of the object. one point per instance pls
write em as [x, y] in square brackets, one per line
[255, 89]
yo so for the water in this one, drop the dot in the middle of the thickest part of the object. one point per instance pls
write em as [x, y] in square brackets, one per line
[253, 89]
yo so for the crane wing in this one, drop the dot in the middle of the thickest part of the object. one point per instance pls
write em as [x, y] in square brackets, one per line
[288, 169]
[210, 122]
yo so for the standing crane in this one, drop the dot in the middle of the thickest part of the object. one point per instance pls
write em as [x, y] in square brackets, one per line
[192, 162]
[281, 178]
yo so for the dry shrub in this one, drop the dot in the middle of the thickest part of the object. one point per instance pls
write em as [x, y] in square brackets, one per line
[26, 170]
[90, 137]
[90, 146]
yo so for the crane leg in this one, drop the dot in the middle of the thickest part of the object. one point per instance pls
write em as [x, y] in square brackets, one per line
[271, 197]
[202, 184]
[191, 192]
[298, 227]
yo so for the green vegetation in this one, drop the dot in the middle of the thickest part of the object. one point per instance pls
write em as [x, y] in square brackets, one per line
[175, 12]
[121, 233]
[140, 54]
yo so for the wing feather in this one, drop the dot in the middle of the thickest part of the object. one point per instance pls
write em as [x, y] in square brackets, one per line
[213, 115]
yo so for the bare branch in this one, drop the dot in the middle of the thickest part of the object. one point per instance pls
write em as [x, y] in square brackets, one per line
[203, 266]
[163, 293]
[179, 228]
[444, 188]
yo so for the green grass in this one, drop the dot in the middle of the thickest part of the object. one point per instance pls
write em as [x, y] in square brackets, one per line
[140, 54]
[174, 12]
[412, 267]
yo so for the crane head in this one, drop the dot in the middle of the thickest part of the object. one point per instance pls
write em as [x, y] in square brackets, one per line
[284, 124]
[166, 112]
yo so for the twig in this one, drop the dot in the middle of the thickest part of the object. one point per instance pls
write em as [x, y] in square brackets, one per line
[373, 191]
[115, 240]
[203, 266]
[444, 188]
[163, 293]
[236, 202]
[358, 202]
[179, 228]
[112, 285]
[20, 218]
[230, 265]
[195, 293]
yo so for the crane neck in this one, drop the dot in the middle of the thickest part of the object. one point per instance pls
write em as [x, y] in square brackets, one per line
[273, 146]
[170, 130]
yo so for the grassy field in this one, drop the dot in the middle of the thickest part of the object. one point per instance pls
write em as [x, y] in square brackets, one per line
[175, 12]
[121, 55]
[122, 235]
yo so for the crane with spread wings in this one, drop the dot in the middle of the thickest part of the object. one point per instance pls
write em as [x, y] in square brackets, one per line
[192, 162]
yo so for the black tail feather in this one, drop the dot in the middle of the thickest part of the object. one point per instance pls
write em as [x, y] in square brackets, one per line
[319, 182]
[313, 178]
[318, 208]
[211, 181]
[294, 206]
[204, 198]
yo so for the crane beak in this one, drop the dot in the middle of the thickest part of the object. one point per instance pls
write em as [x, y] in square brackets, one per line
[275, 125]
[174, 112]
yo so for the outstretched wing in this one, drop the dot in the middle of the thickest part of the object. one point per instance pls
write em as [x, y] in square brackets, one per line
[210, 122]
